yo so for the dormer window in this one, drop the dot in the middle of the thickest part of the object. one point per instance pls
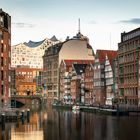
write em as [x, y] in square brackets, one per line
[1, 21]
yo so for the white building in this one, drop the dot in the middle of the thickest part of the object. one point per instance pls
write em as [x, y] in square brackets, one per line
[109, 76]
[30, 54]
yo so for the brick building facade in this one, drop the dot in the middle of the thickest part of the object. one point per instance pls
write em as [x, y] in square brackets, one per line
[5, 59]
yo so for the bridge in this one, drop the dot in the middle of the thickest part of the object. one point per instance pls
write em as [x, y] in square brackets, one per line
[26, 99]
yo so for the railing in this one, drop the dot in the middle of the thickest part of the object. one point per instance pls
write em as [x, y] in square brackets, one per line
[26, 96]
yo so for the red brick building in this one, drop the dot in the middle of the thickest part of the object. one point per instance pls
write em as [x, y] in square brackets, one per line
[5, 60]
[76, 90]
[26, 81]
[87, 84]
[66, 75]
[129, 68]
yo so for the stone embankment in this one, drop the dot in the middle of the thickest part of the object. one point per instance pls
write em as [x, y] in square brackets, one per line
[13, 114]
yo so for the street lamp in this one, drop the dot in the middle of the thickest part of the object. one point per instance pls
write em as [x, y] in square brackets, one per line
[15, 99]
[94, 99]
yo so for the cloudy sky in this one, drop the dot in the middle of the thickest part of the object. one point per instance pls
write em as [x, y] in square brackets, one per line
[102, 21]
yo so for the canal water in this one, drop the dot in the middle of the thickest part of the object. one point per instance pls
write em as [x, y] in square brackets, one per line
[52, 124]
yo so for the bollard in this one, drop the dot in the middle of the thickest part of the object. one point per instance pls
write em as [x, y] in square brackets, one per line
[22, 121]
[28, 115]
[3, 118]
[22, 115]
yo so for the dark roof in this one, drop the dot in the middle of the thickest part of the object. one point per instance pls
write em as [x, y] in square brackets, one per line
[79, 68]
[1, 10]
[33, 44]
[53, 50]
[54, 38]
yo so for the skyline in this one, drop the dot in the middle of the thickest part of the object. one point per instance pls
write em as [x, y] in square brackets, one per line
[102, 22]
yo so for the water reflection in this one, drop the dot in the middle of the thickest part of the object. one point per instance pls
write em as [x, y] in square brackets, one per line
[51, 124]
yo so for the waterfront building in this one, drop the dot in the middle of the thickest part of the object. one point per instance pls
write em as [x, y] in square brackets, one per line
[100, 80]
[77, 48]
[109, 77]
[75, 87]
[27, 80]
[5, 59]
[30, 54]
[87, 84]
[128, 68]
[65, 76]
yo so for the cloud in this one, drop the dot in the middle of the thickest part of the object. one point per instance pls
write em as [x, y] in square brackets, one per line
[131, 21]
[23, 25]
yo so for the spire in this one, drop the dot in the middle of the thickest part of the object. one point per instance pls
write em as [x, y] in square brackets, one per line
[79, 35]
[79, 30]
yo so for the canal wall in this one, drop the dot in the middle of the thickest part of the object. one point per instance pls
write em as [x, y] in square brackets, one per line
[13, 115]
[102, 111]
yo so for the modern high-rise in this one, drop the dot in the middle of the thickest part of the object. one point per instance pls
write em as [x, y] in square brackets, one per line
[5, 58]
[30, 54]
[129, 68]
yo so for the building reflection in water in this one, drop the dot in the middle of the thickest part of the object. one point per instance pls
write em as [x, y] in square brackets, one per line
[29, 131]
[51, 124]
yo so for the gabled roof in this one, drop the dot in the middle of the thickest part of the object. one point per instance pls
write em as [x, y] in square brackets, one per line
[111, 56]
[101, 54]
[79, 68]
[54, 39]
[68, 63]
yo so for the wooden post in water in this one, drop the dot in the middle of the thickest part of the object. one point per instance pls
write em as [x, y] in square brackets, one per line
[3, 121]
[28, 115]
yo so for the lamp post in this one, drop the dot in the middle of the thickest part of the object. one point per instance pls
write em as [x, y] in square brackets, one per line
[94, 99]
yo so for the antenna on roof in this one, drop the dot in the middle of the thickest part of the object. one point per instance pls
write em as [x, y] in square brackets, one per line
[110, 41]
[79, 30]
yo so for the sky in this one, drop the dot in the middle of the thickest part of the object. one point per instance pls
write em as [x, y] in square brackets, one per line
[102, 21]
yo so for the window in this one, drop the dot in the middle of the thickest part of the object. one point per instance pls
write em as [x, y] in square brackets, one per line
[1, 21]
[2, 89]
[2, 61]
[1, 35]
[5, 47]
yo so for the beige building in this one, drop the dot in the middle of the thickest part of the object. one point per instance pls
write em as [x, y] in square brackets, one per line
[77, 48]
[30, 54]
